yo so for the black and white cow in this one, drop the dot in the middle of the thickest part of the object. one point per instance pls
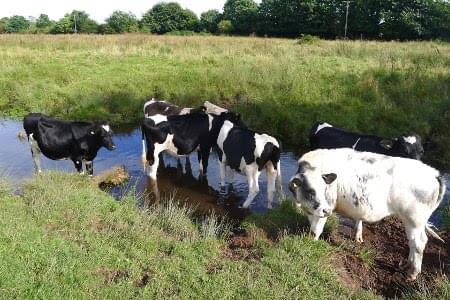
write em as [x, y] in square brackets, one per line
[161, 107]
[246, 151]
[181, 135]
[369, 187]
[77, 141]
[325, 136]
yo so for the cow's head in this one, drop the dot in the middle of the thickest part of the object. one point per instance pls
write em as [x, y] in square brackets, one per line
[234, 118]
[314, 191]
[102, 131]
[407, 145]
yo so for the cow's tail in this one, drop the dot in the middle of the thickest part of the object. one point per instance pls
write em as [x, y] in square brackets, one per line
[22, 135]
[430, 227]
[276, 161]
[144, 149]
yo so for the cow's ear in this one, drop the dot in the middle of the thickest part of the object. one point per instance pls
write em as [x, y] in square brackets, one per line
[329, 178]
[387, 144]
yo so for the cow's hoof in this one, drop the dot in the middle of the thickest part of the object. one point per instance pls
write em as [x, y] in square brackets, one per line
[359, 239]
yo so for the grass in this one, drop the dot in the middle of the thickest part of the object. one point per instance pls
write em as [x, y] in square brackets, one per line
[66, 239]
[384, 88]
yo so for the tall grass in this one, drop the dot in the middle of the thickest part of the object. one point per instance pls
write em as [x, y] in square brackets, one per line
[282, 87]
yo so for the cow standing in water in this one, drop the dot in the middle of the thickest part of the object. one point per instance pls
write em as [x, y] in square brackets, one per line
[77, 141]
[369, 187]
[181, 135]
[155, 107]
[325, 136]
[248, 152]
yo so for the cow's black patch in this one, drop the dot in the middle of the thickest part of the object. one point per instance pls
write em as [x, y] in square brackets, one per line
[239, 144]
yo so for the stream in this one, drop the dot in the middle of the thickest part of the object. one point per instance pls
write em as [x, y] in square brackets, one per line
[173, 179]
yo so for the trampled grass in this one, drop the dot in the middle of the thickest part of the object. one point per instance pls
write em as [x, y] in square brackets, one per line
[66, 239]
[280, 86]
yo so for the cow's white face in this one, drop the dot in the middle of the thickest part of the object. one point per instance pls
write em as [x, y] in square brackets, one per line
[312, 191]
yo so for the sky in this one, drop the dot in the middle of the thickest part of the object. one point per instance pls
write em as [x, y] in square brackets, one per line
[98, 10]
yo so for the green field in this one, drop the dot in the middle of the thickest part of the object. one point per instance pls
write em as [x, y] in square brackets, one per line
[279, 85]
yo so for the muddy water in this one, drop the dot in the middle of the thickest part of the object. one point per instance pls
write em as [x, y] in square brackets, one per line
[182, 180]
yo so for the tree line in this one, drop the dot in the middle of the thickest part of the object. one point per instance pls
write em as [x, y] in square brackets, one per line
[368, 19]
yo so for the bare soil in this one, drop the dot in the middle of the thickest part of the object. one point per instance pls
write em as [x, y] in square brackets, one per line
[384, 271]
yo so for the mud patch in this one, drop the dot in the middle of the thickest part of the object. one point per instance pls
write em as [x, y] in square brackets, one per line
[384, 272]
[110, 275]
[241, 247]
[143, 280]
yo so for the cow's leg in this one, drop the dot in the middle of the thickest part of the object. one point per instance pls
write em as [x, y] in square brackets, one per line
[222, 170]
[358, 231]
[417, 241]
[253, 184]
[188, 167]
[89, 167]
[317, 224]
[78, 162]
[279, 182]
[200, 165]
[152, 169]
[35, 153]
[230, 175]
[205, 150]
[271, 179]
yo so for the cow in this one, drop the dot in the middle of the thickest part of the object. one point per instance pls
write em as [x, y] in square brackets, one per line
[57, 140]
[369, 187]
[181, 135]
[248, 152]
[325, 136]
[161, 107]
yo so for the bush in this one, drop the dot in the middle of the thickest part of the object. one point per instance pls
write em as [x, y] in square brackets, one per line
[225, 27]
[187, 33]
[307, 39]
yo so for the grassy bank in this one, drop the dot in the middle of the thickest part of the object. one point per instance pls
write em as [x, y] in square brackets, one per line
[83, 244]
[282, 87]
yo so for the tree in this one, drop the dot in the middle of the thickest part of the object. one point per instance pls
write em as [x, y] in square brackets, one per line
[209, 20]
[167, 17]
[43, 21]
[242, 14]
[120, 22]
[17, 24]
[3, 22]
[225, 27]
[76, 21]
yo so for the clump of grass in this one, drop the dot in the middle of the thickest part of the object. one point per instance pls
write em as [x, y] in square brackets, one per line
[367, 257]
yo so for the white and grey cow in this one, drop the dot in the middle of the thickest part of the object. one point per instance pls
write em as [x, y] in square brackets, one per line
[246, 151]
[369, 187]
